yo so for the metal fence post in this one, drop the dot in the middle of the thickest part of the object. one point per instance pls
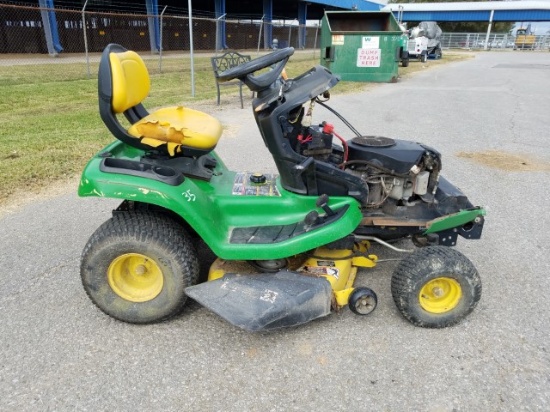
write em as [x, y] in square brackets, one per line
[85, 39]
[315, 42]
[218, 44]
[290, 31]
[489, 30]
[260, 35]
[160, 38]
[191, 55]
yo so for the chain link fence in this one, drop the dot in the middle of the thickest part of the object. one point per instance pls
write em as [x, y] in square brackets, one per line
[83, 35]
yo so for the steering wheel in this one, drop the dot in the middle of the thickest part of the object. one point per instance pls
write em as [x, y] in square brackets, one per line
[244, 71]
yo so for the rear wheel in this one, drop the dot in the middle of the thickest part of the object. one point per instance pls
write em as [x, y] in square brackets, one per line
[435, 287]
[438, 53]
[136, 266]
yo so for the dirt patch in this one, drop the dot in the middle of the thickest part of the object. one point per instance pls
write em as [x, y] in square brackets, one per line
[230, 130]
[23, 197]
[507, 161]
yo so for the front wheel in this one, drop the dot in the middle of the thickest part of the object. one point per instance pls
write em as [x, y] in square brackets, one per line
[436, 287]
[136, 266]
[424, 57]
[362, 301]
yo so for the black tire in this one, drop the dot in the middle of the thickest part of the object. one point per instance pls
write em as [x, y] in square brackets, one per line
[436, 287]
[362, 301]
[136, 266]
[438, 53]
[424, 57]
[405, 62]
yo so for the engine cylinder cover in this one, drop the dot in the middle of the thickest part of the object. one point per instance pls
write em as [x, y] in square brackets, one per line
[397, 156]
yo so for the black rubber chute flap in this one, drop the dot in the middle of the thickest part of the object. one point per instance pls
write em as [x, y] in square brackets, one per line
[265, 301]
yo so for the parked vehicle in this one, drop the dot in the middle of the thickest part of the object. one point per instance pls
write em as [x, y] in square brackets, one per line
[424, 40]
[288, 246]
[403, 48]
[525, 39]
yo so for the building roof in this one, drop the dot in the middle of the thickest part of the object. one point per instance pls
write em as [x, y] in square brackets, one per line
[474, 11]
[360, 5]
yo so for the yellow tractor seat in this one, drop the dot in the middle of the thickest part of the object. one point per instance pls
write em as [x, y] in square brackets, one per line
[123, 83]
[178, 127]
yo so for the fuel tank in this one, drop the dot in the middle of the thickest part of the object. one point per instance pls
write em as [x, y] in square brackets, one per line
[393, 155]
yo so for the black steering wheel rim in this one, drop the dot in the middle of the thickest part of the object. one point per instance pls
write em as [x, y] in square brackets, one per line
[242, 70]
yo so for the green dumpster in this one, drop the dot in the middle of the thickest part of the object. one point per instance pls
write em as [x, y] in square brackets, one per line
[361, 46]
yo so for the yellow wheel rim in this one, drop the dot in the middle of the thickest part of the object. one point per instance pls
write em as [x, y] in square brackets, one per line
[440, 295]
[135, 277]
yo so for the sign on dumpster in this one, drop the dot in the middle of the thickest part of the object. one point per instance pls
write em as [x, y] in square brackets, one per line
[371, 42]
[368, 57]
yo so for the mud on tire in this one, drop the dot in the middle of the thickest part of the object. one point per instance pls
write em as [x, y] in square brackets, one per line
[136, 266]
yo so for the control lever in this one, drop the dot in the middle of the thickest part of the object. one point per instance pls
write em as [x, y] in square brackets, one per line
[322, 202]
[302, 167]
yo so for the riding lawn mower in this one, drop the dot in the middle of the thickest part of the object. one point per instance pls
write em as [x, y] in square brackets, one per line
[288, 246]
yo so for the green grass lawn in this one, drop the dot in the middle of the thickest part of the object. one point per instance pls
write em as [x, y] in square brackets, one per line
[50, 125]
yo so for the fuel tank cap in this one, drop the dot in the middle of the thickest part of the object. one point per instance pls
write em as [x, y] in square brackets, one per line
[374, 141]
[258, 178]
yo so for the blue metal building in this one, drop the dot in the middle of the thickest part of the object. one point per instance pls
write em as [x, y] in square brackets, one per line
[302, 10]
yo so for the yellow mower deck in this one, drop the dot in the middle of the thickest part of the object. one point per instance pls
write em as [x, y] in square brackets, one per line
[337, 266]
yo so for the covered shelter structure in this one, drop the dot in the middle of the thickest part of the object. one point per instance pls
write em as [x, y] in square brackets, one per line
[265, 11]
[486, 11]
[298, 12]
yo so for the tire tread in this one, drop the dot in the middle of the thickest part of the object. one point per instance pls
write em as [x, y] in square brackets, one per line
[419, 265]
[145, 227]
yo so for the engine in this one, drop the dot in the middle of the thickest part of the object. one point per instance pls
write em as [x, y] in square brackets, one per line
[403, 171]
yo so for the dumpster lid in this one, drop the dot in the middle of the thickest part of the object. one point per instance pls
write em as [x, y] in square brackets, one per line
[361, 22]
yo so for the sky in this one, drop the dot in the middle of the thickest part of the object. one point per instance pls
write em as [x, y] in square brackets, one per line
[540, 27]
